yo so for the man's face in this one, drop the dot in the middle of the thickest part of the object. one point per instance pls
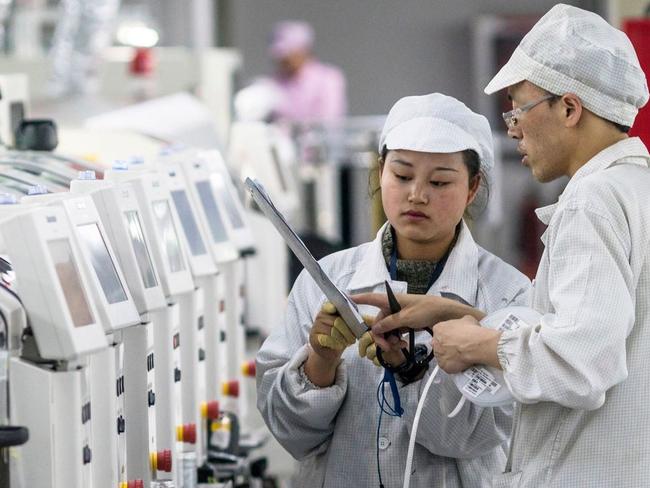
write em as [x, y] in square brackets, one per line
[540, 133]
[290, 64]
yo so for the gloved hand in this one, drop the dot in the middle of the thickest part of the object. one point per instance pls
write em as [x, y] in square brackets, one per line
[368, 349]
[330, 335]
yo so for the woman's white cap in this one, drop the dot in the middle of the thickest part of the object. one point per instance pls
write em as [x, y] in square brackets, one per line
[571, 50]
[437, 123]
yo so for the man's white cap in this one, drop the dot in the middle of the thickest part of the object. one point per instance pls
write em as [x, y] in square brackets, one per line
[289, 37]
[571, 50]
[436, 123]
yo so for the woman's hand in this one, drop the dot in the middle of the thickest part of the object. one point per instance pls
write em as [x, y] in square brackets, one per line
[329, 336]
[418, 312]
[368, 349]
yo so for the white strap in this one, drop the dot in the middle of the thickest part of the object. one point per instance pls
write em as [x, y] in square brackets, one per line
[414, 429]
[459, 407]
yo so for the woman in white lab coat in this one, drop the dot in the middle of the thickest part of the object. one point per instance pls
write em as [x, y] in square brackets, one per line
[319, 397]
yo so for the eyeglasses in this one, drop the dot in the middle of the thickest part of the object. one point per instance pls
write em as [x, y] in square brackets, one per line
[511, 118]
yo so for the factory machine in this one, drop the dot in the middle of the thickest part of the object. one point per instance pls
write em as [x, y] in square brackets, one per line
[63, 331]
[116, 311]
[162, 223]
[257, 151]
[120, 211]
[146, 288]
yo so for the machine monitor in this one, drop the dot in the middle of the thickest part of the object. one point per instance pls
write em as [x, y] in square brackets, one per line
[140, 249]
[68, 274]
[232, 211]
[215, 223]
[102, 263]
[171, 244]
[275, 157]
[190, 226]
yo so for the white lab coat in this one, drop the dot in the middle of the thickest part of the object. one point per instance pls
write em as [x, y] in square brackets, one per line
[332, 431]
[582, 375]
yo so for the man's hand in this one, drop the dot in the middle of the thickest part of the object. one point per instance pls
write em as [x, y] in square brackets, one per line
[459, 344]
[418, 312]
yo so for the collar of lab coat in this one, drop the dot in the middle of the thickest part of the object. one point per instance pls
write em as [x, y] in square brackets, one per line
[459, 277]
[632, 150]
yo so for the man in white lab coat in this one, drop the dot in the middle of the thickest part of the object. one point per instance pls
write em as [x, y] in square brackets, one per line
[581, 375]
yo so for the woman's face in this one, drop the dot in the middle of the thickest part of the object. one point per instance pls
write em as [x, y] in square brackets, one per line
[425, 194]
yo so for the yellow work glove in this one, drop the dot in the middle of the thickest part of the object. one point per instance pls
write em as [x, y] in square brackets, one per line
[368, 349]
[340, 335]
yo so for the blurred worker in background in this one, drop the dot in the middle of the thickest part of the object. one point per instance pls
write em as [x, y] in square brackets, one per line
[581, 374]
[310, 91]
[319, 397]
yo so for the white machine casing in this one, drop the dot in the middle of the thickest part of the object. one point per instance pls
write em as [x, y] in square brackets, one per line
[239, 229]
[56, 409]
[194, 350]
[13, 105]
[162, 223]
[192, 233]
[134, 357]
[230, 290]
[32, 235]
[120, 213]
[153, 193]
[254, 153]
[81, 212]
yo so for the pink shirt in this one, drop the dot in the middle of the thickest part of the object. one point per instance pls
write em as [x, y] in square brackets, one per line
[316, 93]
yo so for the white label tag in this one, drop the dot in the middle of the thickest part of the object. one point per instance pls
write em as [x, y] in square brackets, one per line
[480, 380]
[511, 322]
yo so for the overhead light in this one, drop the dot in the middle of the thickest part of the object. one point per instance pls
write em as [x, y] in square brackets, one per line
[137, 34]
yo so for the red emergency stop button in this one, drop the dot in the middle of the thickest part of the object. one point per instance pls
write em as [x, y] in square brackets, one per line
[186, 433]
[248, 369]
[210, 410]
[230, 388]
[135, 484]
[162, 460]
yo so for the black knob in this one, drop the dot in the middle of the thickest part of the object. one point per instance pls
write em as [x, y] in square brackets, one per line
[13, 435]
[87, 454]
[121, 425]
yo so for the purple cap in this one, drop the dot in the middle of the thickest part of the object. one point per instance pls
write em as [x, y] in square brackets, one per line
[290, 36]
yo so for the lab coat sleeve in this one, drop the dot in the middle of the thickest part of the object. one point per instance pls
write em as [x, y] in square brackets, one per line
[300, 416]
[578, 352]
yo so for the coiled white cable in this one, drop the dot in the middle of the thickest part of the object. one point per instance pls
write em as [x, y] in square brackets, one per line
[414, 429]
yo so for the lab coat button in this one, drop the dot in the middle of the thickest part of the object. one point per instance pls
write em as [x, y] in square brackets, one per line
[383, 443]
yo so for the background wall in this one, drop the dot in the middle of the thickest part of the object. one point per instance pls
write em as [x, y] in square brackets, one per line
[386, 48]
